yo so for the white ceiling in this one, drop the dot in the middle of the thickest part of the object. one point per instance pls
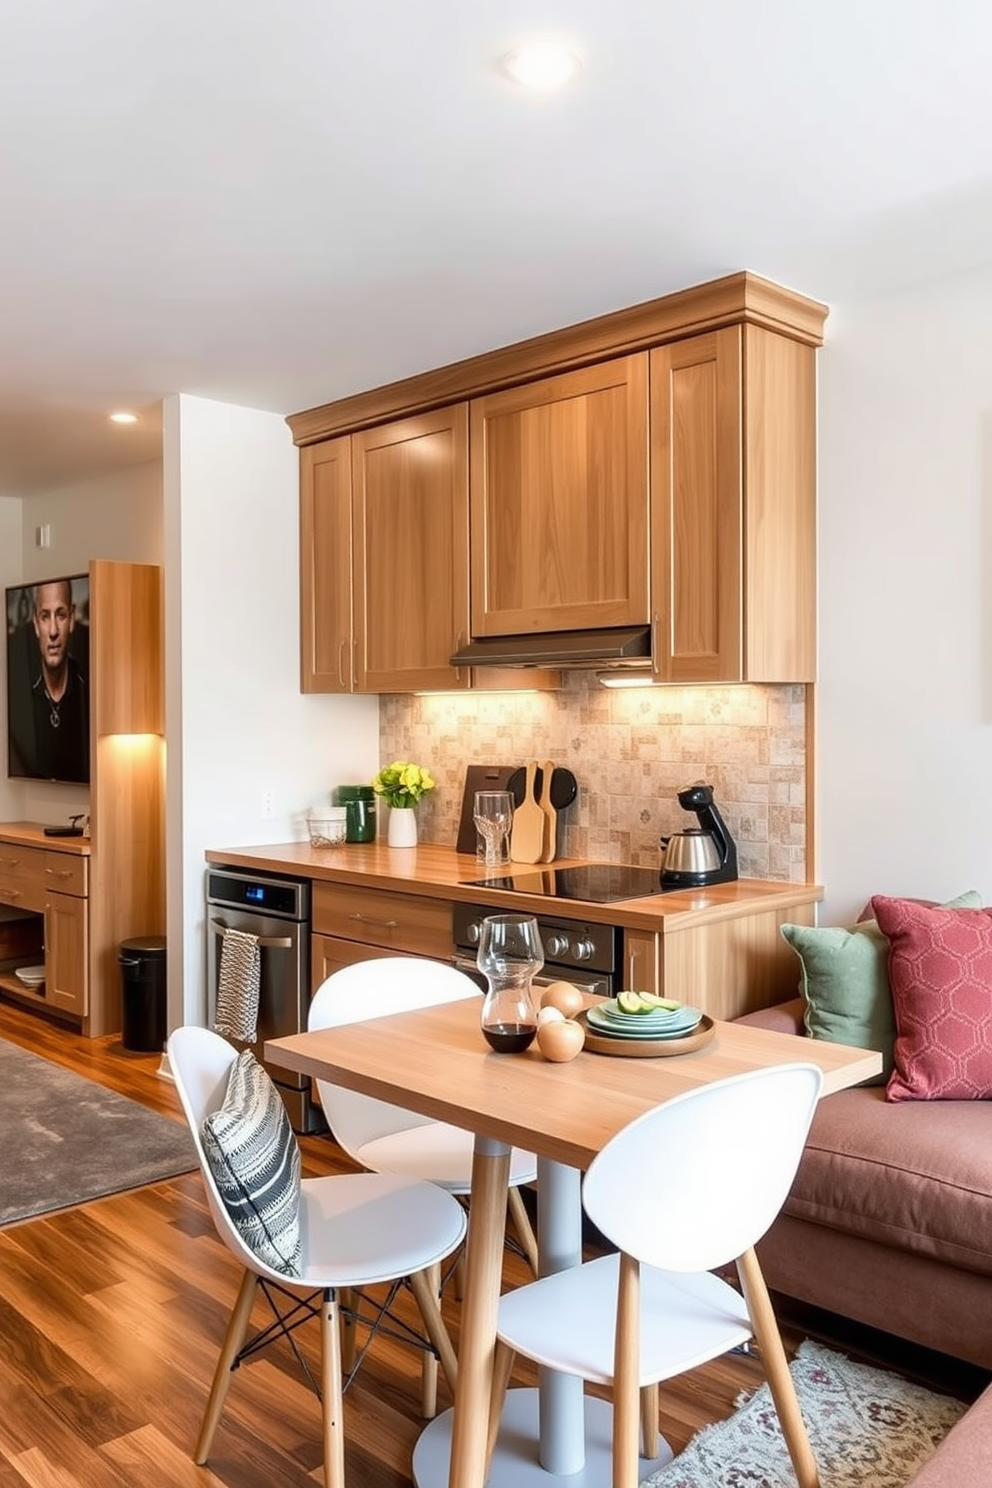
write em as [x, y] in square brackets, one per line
[279, 202]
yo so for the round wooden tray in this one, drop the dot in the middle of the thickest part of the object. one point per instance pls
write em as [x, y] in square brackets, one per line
[642, 1048]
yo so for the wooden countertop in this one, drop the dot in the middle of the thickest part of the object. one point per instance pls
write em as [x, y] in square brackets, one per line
[32, 834]
[441, 873]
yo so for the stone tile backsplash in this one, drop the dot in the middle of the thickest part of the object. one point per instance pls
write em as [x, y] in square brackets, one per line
[631, 750]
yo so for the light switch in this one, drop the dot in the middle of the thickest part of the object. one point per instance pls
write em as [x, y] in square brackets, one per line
[43, 536]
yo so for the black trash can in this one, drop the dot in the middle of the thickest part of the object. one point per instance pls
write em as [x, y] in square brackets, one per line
[143, 986]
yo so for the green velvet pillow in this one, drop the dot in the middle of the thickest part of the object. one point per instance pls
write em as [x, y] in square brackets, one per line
[845, 984]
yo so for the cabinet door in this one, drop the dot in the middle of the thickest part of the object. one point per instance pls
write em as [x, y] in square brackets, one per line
[326, 654]
[696, 511]
[560, 502]
[66, 953]
[640, 961]
[411, 551]
[328, 954]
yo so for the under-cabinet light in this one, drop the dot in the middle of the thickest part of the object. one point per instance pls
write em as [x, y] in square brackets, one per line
[627, 679]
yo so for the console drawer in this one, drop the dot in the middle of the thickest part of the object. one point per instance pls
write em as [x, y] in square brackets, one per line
[22, 876]
[65, 873]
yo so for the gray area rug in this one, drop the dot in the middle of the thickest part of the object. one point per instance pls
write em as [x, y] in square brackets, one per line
[867, 1429]
[65, 1139]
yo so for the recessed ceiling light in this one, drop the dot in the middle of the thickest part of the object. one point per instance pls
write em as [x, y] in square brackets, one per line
[123, 418]
[542, 64]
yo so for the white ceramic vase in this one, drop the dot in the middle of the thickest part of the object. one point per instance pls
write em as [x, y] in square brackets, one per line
[402, 829]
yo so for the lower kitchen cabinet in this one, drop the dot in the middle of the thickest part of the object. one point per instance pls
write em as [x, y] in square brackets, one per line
[356, 924]
[50, 889]
[640, 961]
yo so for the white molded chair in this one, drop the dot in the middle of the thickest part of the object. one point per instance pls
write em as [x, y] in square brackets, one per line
[358, 1230]
[690, 1186]
[390, 1139]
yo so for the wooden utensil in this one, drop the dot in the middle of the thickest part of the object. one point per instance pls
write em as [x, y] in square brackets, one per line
[549, 849]
[527, 833]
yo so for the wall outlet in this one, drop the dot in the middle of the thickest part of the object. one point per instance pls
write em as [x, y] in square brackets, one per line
[267, 805]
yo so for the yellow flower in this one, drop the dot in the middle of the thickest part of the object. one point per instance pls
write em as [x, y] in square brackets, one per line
[403, 783]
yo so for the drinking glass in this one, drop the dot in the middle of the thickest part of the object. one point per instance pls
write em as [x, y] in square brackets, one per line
[510, 955]
[493, 815]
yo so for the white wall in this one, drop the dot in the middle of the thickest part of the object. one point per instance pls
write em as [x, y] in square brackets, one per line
[117, 516]
[236, 722]
[904, 752]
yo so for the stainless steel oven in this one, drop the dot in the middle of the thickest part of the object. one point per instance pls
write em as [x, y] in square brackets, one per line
[277, 910]
[574, 950]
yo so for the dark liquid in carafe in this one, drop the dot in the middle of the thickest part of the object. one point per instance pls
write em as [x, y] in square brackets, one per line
[509, 1038]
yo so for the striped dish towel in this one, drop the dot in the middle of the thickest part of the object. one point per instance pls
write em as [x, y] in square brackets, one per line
[238, 981]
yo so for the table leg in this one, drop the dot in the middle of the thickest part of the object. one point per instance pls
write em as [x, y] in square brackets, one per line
[559, 1230]
[477, 1340]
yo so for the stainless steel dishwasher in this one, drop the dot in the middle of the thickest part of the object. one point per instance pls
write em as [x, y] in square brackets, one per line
[277, 910]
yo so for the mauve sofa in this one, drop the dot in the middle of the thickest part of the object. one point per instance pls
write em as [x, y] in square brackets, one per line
[889, 1222]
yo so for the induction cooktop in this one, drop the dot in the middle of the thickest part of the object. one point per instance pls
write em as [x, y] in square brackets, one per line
[596, 883]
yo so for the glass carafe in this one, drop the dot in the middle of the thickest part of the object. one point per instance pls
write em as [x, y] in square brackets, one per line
[510, 955]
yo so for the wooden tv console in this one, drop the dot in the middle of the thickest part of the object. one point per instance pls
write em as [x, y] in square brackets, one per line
[68, 902]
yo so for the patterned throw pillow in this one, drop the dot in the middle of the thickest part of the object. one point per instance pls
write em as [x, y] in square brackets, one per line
[940, 971]
[845, 984]
[255, 1161]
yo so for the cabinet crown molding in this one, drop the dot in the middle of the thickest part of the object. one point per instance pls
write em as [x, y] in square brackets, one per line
[740, 298]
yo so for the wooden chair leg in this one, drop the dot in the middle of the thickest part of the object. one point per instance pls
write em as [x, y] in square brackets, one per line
[502, 1369]
[626, 1375]
[347, 1301]
[523, 1227]
[428, 1369]
[234, 1337]
[422, 1284]
[776, 1368]
[458, 1280]
[649, 1421]
[332, 1408]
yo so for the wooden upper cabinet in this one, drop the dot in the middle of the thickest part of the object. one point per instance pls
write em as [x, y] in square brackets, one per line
[410, 527]
[559, 502]
[733, 491]
[326, 632]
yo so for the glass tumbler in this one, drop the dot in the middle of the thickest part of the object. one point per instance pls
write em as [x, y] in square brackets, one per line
[510, 955]
[493, 815]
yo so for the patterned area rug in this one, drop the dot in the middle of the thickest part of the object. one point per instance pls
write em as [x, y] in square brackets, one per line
[867, 1428]
[66, 1140]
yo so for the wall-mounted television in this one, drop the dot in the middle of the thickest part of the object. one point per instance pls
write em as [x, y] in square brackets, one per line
[48, 693]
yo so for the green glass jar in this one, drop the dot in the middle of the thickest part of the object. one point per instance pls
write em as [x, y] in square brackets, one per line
[359, 804]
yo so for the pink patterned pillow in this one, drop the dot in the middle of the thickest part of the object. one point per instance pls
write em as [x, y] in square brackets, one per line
[940, 971]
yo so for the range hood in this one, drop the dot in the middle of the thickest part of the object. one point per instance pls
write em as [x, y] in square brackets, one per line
[624, 645]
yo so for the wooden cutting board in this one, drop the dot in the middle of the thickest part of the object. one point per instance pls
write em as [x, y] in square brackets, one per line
[527, 832]
[549, 847]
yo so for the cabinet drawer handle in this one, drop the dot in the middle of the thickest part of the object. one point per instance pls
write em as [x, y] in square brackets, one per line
[10, 862]
[59, 872]
[379, 924]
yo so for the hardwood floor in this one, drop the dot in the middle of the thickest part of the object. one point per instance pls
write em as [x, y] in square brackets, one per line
[111, 1318]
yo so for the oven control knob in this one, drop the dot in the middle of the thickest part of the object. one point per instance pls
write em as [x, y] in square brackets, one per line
[583, 950]
[556, 945]
[472, 932]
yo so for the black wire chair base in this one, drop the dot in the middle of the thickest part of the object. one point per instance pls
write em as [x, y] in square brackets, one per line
[376, 1317]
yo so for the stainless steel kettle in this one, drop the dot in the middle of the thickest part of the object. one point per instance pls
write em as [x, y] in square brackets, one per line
[704, 854]
[692, 852]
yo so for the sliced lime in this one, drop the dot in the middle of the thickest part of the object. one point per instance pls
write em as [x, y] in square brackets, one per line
[652, 1000]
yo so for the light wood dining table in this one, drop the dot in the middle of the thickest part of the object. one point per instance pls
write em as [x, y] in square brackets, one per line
[436, 1062]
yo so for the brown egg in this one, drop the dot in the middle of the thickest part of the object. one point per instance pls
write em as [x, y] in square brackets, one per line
[564, 996]
[560, 1041]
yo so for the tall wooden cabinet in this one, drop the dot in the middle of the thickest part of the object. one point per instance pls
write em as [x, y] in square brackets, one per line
[85, 897]
[384, 556]
[559, 502]
[733, 514]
